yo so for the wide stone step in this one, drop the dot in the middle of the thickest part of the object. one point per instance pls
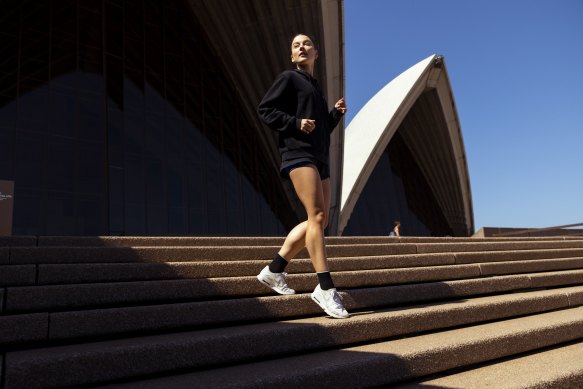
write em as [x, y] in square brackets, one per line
[80, 273]
[520, 255]
[116, 272]
[374, 364]
[135, 320]
[98, 310]
[140, 319]
[16, 241]
[45, 255]
[47, 274]
[77, 296]
[94, 362]
[11, 275]
[558, 367]
[98, 322]
[31, 298]
[48, 255]
[136, 241]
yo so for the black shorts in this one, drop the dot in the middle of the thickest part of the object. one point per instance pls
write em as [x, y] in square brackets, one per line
[322, 167]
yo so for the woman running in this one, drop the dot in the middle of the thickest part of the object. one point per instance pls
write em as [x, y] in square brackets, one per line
[295, 107]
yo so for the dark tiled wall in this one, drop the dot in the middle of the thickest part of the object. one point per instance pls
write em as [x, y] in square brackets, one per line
[117, 118]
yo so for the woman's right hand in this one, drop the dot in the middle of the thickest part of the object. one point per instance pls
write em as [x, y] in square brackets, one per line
[307, 125]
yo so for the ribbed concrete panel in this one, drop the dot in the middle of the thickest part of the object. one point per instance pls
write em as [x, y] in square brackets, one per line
[252, 38]
[419, 104]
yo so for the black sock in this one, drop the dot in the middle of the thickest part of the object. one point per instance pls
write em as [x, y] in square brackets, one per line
[325, 280]
[278, 264]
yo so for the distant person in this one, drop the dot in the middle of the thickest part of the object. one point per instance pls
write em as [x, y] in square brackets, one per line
[295, 107]
[396, 229]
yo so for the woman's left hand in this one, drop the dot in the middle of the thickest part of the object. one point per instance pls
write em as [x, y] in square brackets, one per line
[341, 105]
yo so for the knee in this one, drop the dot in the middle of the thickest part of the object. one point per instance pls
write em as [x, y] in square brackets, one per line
[319, 217]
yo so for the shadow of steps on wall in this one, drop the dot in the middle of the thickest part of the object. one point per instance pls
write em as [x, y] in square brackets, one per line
[156, 313]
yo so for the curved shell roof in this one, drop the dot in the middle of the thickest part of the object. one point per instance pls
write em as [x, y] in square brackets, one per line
[433, 136]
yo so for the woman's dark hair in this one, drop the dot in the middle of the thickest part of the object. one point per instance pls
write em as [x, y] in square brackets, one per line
[308, 35]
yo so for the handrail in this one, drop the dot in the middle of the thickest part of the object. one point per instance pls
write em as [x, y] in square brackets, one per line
[519, 232]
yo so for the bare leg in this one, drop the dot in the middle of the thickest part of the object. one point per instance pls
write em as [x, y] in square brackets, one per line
[309, 188]
[296, 239]
[294, 242]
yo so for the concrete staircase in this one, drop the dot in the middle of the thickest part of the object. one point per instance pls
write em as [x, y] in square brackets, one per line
[188, 312]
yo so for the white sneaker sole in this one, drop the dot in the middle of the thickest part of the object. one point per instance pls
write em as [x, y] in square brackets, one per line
[272, 288]
[337, 316]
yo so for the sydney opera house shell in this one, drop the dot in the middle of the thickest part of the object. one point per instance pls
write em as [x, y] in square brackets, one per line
[138, 117]
[404, 159]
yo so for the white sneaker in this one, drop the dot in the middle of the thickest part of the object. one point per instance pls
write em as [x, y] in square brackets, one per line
[330, 301]
[275, 281]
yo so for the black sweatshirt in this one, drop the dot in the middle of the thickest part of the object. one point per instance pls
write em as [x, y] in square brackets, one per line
[295, 95]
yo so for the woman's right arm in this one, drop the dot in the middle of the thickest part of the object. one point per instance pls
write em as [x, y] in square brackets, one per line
[271, 109]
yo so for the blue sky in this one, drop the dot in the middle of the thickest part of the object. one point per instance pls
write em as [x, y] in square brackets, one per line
[516, 70]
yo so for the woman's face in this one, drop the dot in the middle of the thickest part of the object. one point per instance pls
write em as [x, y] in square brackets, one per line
[303, 51]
